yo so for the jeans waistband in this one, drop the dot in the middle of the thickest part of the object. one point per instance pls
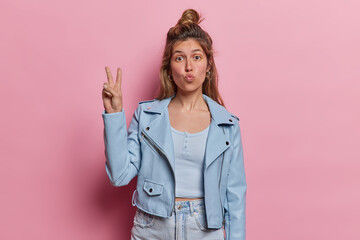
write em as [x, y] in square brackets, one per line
[189, 206]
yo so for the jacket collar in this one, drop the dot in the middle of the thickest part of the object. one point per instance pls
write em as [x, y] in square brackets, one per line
[218, 113]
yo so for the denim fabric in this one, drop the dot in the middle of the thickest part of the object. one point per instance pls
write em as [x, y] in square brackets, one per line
[187, 222]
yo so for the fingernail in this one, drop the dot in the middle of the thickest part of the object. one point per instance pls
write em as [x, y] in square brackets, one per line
[105, 85]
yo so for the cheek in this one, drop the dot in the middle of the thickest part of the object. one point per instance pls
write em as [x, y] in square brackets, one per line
[202, 68]
[176, 70]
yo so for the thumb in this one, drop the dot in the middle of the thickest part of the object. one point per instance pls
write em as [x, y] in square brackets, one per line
[108, 90]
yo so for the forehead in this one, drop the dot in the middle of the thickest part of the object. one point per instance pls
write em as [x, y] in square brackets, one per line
[187, 46]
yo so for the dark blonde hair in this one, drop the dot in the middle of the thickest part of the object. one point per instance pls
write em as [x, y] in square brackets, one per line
[188, 28]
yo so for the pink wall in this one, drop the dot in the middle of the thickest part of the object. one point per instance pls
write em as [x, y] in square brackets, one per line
[288, 69]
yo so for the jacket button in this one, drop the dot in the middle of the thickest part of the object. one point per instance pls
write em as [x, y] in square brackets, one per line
[230, 120]
[147, 129]
[227, 143]
[150, 190]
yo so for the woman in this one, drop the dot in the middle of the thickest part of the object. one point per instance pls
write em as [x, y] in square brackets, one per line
[184, 146]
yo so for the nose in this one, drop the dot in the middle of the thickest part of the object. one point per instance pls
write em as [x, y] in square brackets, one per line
[188, 66]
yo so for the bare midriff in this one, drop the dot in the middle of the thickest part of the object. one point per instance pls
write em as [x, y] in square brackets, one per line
[186, 199]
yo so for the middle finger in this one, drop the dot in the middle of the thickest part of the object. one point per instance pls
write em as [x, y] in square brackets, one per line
[119, 77]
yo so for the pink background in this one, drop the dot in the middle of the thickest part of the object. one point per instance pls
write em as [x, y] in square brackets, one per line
[288, 69]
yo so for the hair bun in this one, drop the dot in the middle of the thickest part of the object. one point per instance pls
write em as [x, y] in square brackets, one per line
[189, 16]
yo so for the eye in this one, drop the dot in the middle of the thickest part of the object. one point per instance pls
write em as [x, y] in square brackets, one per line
[197, 57]
[179, 58]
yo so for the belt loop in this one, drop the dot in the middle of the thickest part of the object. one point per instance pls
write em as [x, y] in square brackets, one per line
[132, 199]
[191, 208]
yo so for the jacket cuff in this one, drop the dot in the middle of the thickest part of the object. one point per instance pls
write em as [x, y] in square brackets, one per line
[104, 113]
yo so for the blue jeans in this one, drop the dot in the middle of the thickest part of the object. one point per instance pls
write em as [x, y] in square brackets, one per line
[187, 222]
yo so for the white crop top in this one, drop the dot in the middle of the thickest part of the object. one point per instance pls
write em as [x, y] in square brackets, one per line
[189, 149]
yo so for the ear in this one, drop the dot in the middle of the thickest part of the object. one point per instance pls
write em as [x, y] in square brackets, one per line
[208, 68]
[209, 65]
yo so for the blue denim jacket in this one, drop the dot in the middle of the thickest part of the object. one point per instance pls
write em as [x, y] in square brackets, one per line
[146, 150]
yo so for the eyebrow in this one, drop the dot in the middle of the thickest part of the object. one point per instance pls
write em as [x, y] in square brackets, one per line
[195, 50]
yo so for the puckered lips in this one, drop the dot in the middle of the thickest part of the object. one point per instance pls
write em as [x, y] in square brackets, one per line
[189, 77]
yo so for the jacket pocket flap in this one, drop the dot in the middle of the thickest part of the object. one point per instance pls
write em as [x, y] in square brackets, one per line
[152, 188]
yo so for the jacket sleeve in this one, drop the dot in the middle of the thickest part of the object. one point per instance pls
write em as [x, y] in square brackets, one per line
[122, 148]
[236, 192]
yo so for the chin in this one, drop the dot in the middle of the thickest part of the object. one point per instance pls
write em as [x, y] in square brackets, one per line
[189, 89]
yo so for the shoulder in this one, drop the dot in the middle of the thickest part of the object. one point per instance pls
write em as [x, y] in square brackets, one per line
[229, 114]
[148, 104]
[147, 101]
[234, 116]
[220, 113]
[158, 103]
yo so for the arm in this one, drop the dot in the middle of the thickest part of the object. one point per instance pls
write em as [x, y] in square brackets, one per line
[122, 148]
[236, 192]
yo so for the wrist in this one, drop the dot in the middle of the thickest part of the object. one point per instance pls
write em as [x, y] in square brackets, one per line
[113, 111]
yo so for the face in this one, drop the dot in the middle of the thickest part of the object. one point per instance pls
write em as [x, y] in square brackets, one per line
[188, 66]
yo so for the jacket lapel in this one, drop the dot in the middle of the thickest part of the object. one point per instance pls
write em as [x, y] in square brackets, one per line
[160, 130]
[216, 141]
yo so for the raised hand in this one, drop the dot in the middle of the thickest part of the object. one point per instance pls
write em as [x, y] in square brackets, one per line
[111, 93]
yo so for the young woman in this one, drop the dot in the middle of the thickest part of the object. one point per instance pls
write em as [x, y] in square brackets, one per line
[184, 146]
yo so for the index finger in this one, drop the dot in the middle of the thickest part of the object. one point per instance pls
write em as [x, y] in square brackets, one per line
[118, 77]
[109, 76]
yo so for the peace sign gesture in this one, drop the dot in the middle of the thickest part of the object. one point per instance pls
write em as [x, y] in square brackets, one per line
[111, 93]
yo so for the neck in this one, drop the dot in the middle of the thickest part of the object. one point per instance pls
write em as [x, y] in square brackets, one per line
[190, 101]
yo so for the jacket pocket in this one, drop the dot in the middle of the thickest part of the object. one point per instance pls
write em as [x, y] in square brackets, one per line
[152, 188]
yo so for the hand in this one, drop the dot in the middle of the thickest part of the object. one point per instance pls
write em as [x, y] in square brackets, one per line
[111, 93]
